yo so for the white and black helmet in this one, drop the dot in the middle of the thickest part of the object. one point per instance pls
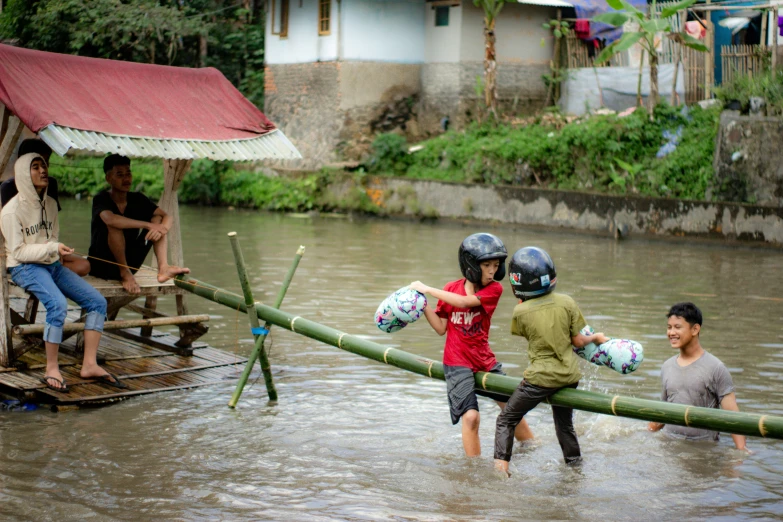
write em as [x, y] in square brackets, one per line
[481, 247]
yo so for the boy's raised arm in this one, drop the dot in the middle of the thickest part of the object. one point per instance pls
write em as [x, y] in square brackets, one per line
[459, 301]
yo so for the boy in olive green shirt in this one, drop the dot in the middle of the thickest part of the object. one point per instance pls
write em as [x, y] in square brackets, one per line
[551, 324]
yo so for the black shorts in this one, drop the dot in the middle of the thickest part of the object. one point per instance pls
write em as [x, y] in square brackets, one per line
[135, 254]
[461, 390]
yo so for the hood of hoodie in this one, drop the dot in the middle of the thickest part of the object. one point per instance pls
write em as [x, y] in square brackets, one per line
[24, 180]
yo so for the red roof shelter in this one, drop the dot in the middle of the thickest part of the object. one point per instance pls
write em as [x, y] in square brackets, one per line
[77, 104]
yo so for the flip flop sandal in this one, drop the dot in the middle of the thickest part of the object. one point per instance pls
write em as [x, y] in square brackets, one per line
[111, 380]
[47, 378]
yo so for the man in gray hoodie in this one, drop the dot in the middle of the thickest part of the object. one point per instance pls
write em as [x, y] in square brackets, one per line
[34, 259]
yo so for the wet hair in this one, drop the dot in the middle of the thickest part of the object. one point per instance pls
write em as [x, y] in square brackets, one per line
[688, 311]
[114, 160]
[34, 145]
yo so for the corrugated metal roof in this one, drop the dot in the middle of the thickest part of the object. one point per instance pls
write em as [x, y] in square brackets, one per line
[273, 145]
[550, 3]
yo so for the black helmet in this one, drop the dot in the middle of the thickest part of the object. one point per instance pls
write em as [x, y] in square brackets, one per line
[532, 273]
[481, 247]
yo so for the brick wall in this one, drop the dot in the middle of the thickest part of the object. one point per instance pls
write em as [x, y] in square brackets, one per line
[303, 101]
[329, 110]
[449, 89]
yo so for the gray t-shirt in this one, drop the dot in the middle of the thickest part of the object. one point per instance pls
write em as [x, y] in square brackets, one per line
[703, 383]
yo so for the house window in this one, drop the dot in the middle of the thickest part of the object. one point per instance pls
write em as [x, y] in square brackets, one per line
[283, 18]
[324, 17]
[442, 16]
[282, 32]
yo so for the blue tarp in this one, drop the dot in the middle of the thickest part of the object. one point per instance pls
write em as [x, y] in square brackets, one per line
[589, 8]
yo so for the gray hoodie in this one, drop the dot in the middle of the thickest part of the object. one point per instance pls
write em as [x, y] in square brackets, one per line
[29, 223]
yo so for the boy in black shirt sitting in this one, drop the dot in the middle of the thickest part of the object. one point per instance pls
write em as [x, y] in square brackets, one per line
[125, 225]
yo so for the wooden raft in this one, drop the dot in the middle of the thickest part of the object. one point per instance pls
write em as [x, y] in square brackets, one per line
[150, 367]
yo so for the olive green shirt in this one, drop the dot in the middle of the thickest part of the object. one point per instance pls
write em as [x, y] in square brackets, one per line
[548, 323]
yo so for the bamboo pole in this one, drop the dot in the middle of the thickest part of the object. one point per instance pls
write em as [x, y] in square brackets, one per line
[740, 423]
[259, 351]
[35, 329]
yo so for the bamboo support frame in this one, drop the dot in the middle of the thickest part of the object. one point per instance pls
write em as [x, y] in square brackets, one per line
[259, 348]
[259, 351]
[37, 329]
[740, 423]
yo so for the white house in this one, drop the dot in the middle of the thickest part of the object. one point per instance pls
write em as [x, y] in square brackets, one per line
[337, 70]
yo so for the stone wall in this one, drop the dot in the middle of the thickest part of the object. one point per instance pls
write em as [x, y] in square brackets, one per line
[329, 110]
[619, 216]
[449, 89]
[303, 101]
[748, 161]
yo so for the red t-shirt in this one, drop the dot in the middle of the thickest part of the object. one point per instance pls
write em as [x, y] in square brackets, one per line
[467, 330]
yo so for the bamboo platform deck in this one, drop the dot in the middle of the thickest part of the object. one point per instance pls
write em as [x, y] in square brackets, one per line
[144, 368]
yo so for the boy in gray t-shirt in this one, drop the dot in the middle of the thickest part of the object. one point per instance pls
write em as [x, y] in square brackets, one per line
[705, 382]
[694, 377]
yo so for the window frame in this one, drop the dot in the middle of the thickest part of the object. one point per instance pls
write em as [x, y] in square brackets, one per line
[324, 17]
[447, 9]
[284, 11]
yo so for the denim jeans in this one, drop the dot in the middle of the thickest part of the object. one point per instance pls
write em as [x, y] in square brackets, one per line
[51, 284]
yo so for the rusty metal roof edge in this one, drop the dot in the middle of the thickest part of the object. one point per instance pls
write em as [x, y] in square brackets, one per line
[273, 145]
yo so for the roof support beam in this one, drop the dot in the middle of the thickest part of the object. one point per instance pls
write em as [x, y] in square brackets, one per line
[173, 173]
[10, 131]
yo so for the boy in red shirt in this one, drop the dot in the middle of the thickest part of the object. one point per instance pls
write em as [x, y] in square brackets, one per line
[464, 313]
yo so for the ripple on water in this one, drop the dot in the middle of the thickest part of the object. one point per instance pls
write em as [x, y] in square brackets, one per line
[353, 439]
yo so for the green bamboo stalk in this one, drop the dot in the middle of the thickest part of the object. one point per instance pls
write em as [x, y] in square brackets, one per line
[259, 352]
[740, 423]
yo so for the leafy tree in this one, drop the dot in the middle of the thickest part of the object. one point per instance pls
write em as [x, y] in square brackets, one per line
[650, 24]
[225, 34]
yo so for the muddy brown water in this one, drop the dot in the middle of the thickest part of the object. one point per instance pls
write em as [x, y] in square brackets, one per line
[352, 439]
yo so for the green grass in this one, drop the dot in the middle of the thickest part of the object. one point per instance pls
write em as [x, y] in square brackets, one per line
[602, 153]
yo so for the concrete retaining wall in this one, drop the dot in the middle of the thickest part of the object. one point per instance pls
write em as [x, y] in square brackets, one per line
[748, 161]
[614, 215]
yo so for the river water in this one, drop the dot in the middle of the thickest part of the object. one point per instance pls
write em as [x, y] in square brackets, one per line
[353, 439]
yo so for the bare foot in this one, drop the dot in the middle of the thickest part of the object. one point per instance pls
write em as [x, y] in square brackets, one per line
[130, 285]
[502, 466]
[90, 371]
[57, 380]
[169, 272]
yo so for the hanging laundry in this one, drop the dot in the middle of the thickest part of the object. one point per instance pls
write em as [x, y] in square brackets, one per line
[695, 29]
[780, 24]
[582, 29]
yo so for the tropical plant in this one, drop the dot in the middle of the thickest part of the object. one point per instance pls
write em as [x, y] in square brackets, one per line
[650, 24]
[491, 11]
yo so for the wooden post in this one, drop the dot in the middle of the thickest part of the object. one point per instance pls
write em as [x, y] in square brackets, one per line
[10, 131]
[151, 303]
[38, 329]
[775, 35]
[709, 57]
[173, 173]
[258, 349]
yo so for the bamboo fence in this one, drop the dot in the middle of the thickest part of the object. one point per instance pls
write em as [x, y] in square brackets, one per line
[743, 60]
[740, 423]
